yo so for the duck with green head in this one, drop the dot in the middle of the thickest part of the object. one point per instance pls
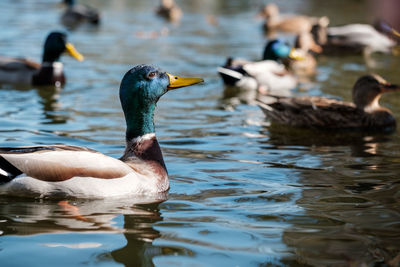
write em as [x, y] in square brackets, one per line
[50, 72]
[74, 171]
[268, 76]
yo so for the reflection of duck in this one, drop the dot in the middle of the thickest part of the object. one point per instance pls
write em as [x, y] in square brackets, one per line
[82, 172]
[362, 144]
[289, 23]
[325, 113]
[50, 72]
[267, 76]
[140, 233]
[169, 10]
[51, 105]
[84, 215]
[76, 14]
[352, 38]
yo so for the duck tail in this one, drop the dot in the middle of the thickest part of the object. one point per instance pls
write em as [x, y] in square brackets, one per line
[229, 76]
[7, 171]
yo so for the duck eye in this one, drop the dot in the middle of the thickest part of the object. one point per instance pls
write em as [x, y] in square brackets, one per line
[151, 75]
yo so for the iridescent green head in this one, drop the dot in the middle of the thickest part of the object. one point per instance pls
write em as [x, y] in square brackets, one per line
[140, 89]
[278, 50]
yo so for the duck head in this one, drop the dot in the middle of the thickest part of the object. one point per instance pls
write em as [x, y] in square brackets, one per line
[56, 44]
[368, 89]
[270, 11]
[140, 90]
[278, 49]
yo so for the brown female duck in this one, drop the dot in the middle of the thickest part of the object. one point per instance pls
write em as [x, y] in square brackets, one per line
[289, 23]
[324, 113]
[50, 72]
[305, 47]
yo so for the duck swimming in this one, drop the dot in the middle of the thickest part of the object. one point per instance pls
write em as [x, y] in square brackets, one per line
[50, 72]
[352, 39]
[63, 170]
[289, 23]
[364, 113]
[76, 14]
[267, 76]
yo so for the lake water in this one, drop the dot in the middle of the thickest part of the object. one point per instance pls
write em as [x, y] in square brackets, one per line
[242, 193]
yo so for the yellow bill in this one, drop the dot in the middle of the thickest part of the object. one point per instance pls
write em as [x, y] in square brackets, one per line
[396, 32]
[73, 52]
[176, 82]
[297, 54]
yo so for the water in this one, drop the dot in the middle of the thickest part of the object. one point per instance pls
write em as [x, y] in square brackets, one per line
[242, 193]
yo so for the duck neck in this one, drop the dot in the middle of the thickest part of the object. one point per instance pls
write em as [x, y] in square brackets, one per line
[50, 73]
[372, 106]
[141, 141]
[139, 120]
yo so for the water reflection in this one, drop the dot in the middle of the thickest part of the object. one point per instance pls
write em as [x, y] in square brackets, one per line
[132, 217]
[233, 96]
[139, 234]
[349, 220]
[361, 144]
[351, 215]
[49, 100]
[51, 106]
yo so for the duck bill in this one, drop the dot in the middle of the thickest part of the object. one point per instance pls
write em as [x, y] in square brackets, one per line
[390, 88]
[396, 33]
[73, 52]
[176, 82]
[297, 54]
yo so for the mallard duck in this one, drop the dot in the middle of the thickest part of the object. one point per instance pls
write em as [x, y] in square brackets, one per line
[76, 14]
[50, 72]
[267, 76]
[73, 171]
[330, 114]
[352, 38]
[289, 23]
[383, 27]
[169, 10]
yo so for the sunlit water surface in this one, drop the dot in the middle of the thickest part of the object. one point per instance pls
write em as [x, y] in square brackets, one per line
[242, 193]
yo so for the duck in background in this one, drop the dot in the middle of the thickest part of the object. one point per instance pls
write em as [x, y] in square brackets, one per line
[268, 76]
[364, 113]
[72, 171]
[384, 28]
[169, 10]
[352, 39]
[306, 47]
[76, 14]
[50, 72]
[276, 22]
